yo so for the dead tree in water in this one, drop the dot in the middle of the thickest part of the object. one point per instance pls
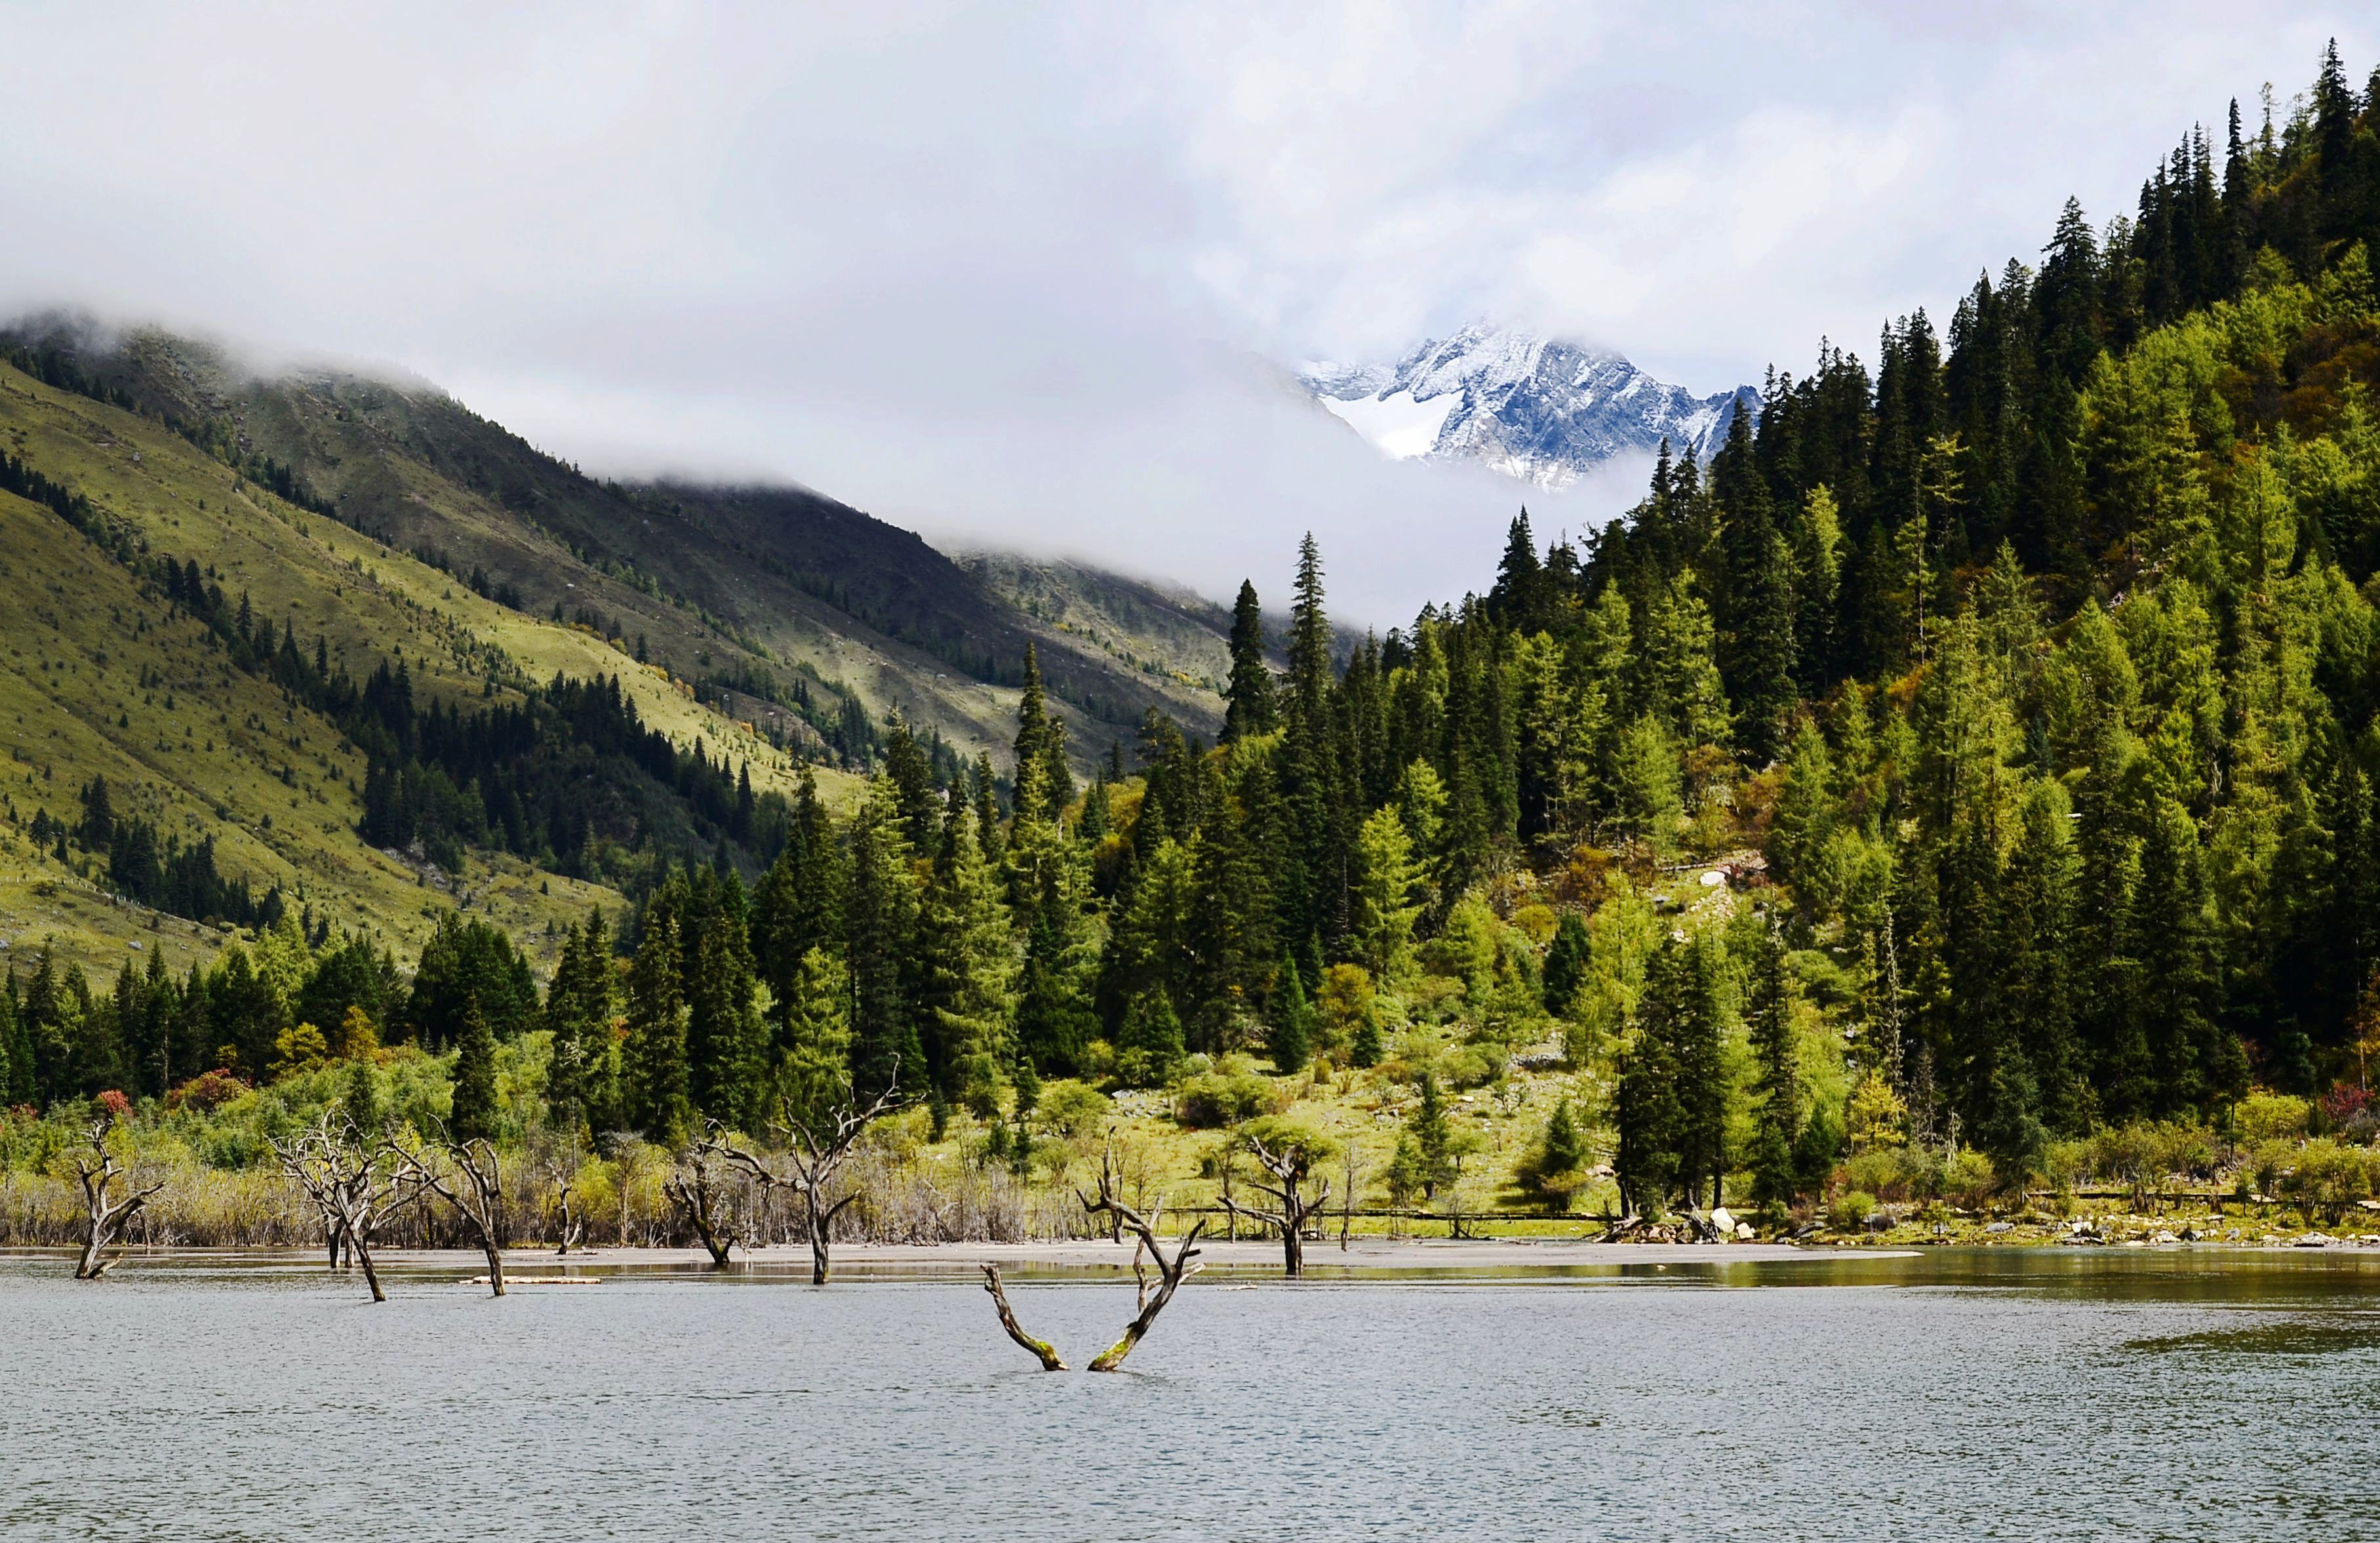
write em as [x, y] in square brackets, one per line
[471, 1180]
[1172, 1272]
[354, 1179]
[817, 1147]
[691, 1190]
[105, 1214]
[1288, 1154]
[1038, 1349]
[573, 1230]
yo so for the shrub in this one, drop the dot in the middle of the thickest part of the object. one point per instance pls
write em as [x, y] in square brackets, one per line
[1221, 1097]
[206, 1092]
[1851, 1210]
[1073, 1109]
[1968, 1177]
[2266, 1115]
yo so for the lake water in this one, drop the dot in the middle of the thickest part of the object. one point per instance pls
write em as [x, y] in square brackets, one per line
[1999, 1393]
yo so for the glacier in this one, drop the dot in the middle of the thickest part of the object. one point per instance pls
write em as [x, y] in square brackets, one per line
[1534, 407]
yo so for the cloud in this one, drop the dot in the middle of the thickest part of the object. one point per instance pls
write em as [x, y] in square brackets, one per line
[1011, 276]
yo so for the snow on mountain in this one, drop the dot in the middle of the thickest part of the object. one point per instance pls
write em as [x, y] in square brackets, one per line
[1530, 406]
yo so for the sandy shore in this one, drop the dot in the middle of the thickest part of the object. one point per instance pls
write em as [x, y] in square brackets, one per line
[1253, 1258]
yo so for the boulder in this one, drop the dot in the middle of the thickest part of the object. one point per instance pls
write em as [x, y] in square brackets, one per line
[2313, 1240]
[1743, 1232]
[1722, 1220]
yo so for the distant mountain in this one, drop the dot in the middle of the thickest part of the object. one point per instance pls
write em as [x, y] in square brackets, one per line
[1534, 407]
[778, 604]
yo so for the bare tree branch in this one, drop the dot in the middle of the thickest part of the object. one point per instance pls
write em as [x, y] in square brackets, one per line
[355, 1181]
[106, 1214]
[476, 1190]
[1172, 1272]
[817, 1149]
[1038, 1348]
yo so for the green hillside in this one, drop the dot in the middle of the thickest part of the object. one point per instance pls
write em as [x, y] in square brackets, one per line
[783, 606]
[108, 677]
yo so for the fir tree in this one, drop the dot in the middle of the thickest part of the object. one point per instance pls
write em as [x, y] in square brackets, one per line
[1249, 697]
[1291, 1039]
[474, 1107]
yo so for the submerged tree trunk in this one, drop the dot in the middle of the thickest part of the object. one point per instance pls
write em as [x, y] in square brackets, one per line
[1039, 1349]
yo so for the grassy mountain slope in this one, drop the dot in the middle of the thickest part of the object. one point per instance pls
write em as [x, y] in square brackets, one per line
[759, 595]
[100, 675]
[1155, 630]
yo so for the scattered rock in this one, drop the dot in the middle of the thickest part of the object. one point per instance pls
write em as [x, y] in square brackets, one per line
[2314, 1240]
[2163, 1237]
[1996, 1228]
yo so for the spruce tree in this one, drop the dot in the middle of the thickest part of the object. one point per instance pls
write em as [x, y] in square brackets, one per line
[1149, 1046]
[473, 1112]
[880, 922]
[1777, 1124]
[1291, 1039]
[1249, 697]
[661, 1101]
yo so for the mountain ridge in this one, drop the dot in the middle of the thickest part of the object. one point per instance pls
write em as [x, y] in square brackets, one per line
[1535, 407]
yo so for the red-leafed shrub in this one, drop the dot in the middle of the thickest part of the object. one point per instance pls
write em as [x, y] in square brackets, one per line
[112, 1105]
[207, 1092]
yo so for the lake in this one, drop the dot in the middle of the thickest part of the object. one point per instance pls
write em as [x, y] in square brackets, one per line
[1952, 1394]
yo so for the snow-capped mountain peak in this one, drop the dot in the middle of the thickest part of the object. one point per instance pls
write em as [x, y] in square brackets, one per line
[1532, 407]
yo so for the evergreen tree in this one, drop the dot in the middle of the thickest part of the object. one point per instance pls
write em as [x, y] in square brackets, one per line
[474, 1109]
[661, 1095]
[880, 923]
[1292, 1039]
[1776, 1125]
[966, 973]
[1148, 1047]
[1249, 697]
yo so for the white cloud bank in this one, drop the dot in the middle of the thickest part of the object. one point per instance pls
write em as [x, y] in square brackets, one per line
[1010, 276]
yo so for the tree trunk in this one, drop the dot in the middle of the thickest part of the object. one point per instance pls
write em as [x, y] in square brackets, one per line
[371, 1275]
[496, 1264]
[1039, 1349]
[1292, 1246]
[820, 1224]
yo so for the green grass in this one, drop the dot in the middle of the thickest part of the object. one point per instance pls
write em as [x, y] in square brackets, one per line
[77, 640]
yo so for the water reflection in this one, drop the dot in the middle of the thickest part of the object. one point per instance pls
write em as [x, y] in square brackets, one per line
[1955, 1394]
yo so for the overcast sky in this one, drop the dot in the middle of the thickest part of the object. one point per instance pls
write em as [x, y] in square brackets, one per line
[1011, 276]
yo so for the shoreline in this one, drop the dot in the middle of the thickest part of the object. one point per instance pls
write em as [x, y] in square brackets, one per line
[1245, 1261]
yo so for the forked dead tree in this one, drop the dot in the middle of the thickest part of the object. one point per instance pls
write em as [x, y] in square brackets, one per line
[471, 1180]
[107, 1210]
[356, 1180]
[1286, 1154]
[1172, 1272]
[691, 1189]
[816, 1148]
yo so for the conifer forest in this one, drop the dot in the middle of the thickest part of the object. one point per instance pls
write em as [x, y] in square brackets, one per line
[1961, 784]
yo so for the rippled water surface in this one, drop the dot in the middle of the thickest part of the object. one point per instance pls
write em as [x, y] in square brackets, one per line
[1999, 1394]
